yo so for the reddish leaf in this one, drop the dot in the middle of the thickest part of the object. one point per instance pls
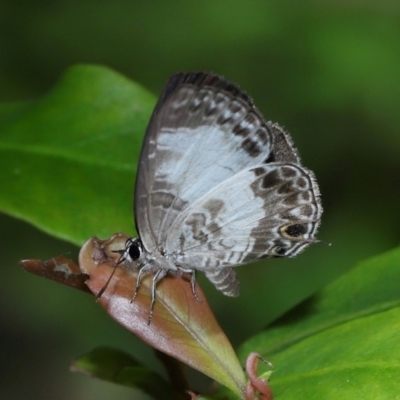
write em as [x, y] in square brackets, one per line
[59, 269]
[255, 383]
[181, 326]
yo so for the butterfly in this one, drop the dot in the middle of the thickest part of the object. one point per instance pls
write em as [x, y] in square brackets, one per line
[217, 187]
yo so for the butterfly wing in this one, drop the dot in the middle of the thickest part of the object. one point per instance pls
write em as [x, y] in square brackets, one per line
[271, 210]
[203, 131]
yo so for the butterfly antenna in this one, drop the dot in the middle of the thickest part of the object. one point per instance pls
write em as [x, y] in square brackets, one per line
[327, 243]
[264, 361]
[318, 241]
[120, 260]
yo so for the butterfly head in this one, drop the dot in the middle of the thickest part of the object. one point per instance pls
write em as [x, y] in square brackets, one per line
[132, 252]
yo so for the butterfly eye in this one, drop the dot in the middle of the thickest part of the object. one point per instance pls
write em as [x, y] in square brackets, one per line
[294, 230]
[134, 250]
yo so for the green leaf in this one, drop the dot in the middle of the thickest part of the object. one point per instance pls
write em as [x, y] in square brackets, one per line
[69, 165]
[74, 152]
[119, 367]
[343, 345]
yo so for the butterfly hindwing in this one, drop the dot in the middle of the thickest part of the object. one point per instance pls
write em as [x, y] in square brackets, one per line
[264, 211]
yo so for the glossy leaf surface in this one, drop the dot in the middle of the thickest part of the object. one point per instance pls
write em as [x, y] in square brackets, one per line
[82, 140]
[345, 344]
[181, 326]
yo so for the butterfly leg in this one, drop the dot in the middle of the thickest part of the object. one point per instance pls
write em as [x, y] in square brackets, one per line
[142, 273]
[160, 274]
[193, 284]
[192, 281]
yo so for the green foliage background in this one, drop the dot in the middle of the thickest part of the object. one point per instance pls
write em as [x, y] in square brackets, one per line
[327, 71]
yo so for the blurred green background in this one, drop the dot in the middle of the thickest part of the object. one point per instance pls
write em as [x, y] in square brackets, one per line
[326, 70]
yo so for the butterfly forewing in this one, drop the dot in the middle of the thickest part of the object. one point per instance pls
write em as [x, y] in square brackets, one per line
[199, 136]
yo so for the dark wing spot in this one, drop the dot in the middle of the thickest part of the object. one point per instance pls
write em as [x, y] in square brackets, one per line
[259, 171]
[306, 210]
[306, 196]
[197, 222]
[211, 109]
[213, 227]
[302, 183]
[224, 118]
[250, 119]
[163, 199]
[214, 206]
[271, 179]
[279, 250]
[262, 135]
[286, 188]
[270, 158]
[219, 97]
[289, 172]
[195, 105]
[251, 147]
[286, 216]
[235, 107]
[296, 230]
[291, 200]
[241, 130]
